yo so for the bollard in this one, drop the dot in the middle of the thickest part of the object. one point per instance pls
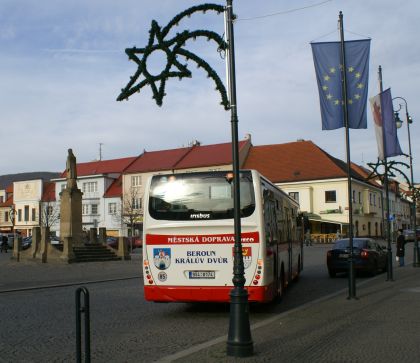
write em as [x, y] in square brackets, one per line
[85, 310]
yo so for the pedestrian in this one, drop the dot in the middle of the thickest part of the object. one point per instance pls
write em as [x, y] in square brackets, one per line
[308, 241]
[338, 234]
[4, 243]
[400, 247]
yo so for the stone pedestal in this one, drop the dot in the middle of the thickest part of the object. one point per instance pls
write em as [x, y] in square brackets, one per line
[93, 235]
[123, 248]
[71, 216]
[17, 247]
[68, 254]
[45, 240]
[102, 236]
[36, 240]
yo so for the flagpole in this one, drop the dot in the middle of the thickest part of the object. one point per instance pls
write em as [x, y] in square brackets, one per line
[389, 276]
[352, 281]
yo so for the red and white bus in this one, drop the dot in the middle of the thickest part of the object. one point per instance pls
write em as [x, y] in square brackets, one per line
[188, 237]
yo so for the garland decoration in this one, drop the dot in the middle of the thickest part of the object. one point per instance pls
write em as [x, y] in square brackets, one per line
[393, 169]
[173, 48]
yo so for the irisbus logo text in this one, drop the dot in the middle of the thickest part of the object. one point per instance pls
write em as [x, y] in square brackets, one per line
[200, 216]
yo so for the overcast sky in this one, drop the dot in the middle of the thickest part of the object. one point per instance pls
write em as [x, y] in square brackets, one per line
[63, 64]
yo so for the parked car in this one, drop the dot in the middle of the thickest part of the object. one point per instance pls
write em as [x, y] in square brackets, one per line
[112, 242]
[369, 256]
[55, 240]
[136, 242]
[408, 235]
[26, 242]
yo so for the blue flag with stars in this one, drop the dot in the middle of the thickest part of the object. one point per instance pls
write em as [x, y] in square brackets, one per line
[329, 75]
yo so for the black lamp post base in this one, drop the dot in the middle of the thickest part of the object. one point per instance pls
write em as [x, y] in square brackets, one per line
[239, 343]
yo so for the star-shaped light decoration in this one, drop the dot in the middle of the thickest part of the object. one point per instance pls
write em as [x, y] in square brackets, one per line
[173, 48]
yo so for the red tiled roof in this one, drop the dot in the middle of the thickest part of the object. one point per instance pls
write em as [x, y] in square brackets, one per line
[8, 202]
[184, 158]
[296, 161]
[366, 173]
[207, 155]
[115, 189]
[157, 160]
[48, 193]
[102, 167]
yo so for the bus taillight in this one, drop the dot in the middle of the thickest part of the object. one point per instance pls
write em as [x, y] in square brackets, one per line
[147, 271]
[258, 273]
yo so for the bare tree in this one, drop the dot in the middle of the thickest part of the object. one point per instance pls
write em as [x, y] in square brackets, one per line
[49, 214]
[130, 212]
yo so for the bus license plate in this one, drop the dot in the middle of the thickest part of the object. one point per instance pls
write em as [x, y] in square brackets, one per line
[202, 275]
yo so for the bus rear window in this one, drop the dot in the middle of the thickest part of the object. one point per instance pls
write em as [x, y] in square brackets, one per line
[199, 196]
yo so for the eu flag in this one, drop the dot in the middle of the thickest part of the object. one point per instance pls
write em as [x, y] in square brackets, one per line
[329, 74]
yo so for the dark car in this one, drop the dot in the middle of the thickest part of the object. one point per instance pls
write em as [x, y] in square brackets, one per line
[112, 242]
[136, 242]
[26, 242]
[369, 256]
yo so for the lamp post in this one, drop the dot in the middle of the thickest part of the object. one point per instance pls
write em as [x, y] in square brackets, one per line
[399, 122]
[239, 342]
[12, 213]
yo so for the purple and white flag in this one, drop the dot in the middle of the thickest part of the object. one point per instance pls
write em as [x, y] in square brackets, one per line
[385, 127]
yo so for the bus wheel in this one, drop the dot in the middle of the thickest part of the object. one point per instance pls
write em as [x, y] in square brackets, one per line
[280, 286]
[298, 270]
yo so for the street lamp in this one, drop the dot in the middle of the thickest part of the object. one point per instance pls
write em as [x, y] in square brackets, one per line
[12, 213]
[239, 342]
[399, 122]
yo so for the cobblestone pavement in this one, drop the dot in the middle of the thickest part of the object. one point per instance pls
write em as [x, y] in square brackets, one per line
[32, 274]
[382, 325]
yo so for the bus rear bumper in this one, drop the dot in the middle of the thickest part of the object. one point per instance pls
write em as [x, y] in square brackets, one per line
[203, 293]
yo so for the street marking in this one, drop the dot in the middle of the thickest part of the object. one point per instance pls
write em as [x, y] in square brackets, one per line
[66, 284]
[414, 289]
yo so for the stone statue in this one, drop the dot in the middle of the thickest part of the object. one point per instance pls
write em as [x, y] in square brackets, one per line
[71, 170]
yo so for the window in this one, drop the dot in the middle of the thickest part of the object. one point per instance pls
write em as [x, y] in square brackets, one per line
[90, 187]
[1, 199]
[136, 203]
[20, 215]
[85, 209]
[206, 195]
[63, 186]
[360, 197]
[26, 213]
[374, 199]
[94, 209]
[112, 208]
[33, 214]
[354, 196]
[6, 216]
[49, 210]
[370, 199]
[136, 181]
[294, 195]
[330, 196]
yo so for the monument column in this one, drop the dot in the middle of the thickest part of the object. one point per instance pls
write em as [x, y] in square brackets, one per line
[71, 210]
